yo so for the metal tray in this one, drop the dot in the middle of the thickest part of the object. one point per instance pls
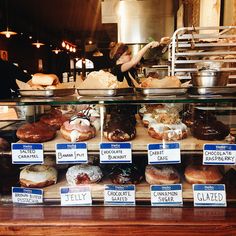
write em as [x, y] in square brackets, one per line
[47, 92]
[212, 90]
[161, 91]
[106, 92]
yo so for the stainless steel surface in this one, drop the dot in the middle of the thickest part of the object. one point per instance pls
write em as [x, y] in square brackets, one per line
[47, 92]
[212, 90]
[209, 78]
[106, 92]
[161, 91]
[139, 20]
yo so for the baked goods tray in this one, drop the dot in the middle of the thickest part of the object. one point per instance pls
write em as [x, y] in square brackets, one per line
[161, 91]
[106, 92]
[212, 90]
[47, 92]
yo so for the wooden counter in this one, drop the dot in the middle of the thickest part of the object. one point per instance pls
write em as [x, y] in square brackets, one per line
[56, 220]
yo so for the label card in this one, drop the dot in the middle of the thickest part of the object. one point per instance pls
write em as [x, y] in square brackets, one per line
[71, 153]
[165, 153]
[27, 195]
[79, 195]
[119, 195]
[166, 195]
[209, 195]
[30, 153]
[219, 154]
[115, 153]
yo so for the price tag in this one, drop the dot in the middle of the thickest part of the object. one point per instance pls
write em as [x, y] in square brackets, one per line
[27, 195]
[115, 153]
[79, 195]
[30, 153]
[119, 195]
[71, 153]
[219, 154]
[165, 153]
[166, 195]
[206, 195]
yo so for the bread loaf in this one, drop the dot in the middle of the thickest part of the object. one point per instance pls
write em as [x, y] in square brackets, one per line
[44, 79]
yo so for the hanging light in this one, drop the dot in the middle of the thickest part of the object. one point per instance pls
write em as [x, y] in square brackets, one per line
[38, 44]
[8, 33]
[56, 50]
[63, 44]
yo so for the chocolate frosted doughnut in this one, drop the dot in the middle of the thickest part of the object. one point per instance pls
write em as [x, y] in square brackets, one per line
[37, 132]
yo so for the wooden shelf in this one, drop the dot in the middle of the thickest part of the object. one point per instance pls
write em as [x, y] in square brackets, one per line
[106, 221]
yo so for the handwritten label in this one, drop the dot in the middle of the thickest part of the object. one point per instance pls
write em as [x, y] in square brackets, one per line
[79, 195]
[165, 153]
[71, 153]
[166, 195]
[27, 153]
[27, 195]
[206, 195]
[119, 195]
[219, 154]
[115, 153]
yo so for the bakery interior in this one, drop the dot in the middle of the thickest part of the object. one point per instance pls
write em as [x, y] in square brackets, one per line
[183, 97]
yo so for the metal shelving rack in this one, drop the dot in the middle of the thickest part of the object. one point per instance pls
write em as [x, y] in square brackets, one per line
[190, 45]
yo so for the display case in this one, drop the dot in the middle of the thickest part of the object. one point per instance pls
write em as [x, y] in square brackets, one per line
[197, 114]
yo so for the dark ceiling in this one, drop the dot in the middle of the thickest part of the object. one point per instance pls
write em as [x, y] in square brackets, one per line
[74, 20]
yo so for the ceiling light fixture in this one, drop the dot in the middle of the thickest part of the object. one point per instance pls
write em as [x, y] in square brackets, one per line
[8, 33]
[56, 50]
[68, 46]
[38, 44]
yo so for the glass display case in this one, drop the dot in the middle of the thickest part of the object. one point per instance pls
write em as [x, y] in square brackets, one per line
[138, 145]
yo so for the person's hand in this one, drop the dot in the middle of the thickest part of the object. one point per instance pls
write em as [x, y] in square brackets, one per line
[165, 40]
[154, 44]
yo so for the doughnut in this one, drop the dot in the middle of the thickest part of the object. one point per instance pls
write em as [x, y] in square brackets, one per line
[202, 174]
[4, 145]
[38, 176]
[206, 127]
[169, 132]
[126, 174]
[77, 129]
[161, 174]
[83, 174]
[55, 119]
[37, 132]
[120, 128]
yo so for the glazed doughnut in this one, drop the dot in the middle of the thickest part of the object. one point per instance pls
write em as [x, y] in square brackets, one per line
[37, 132]
[169, 132]
[38, 176]
[83, 174]
[78, 129]
[203, 174]
[55, 119]
[161, 174]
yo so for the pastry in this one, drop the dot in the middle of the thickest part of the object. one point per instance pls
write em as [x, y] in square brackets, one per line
[207, 127]
[54, 119]
[161, 174]
[37, 132]
[166, 125]
[78, 128]
[38, 176]
[203, 174]
[83, 174]
[126, 174]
